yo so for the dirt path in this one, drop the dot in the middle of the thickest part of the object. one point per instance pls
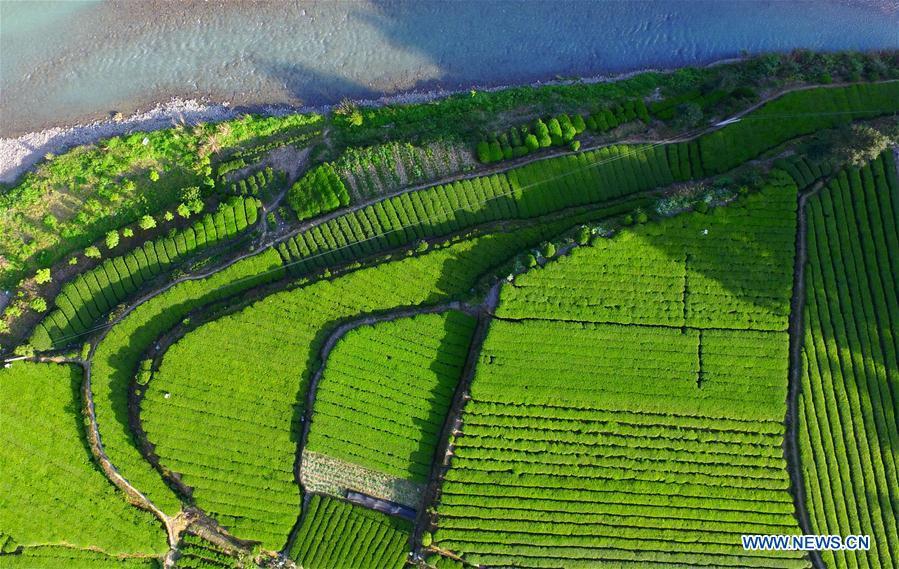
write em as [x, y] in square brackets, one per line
[797, 333]
[453, 423]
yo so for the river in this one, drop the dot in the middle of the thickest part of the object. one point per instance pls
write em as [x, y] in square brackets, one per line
[67, 62]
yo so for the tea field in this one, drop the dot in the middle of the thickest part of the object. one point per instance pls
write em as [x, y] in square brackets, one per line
[613, 325]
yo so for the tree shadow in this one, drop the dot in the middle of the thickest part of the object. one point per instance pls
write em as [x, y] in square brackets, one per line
[739, 260]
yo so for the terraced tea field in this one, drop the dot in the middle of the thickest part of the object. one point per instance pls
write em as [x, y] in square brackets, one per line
[600, 325]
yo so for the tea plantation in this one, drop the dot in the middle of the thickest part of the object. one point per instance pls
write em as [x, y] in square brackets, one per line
[554, 327]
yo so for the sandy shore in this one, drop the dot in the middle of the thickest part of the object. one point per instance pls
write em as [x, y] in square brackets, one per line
[19, 154]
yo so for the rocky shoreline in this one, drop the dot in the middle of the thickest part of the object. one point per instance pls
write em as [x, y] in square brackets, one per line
[19, 154]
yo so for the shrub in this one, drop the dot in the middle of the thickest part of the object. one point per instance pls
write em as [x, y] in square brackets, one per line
[427, 539]
[92, 252]
[128, 232]
[147, 222]
[496, 151]
[531, 142]
[641, 217]
[168, 216]
[555, 129]
[583, 235]
[39, 304]
[549, 250]
[183, 210]
[73, 261]
[628, 219]
[42, 276]
[577, 121]
[112, 239]
[154, 175]
[575, 145]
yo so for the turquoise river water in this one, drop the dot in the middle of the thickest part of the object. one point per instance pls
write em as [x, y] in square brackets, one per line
[67, 62]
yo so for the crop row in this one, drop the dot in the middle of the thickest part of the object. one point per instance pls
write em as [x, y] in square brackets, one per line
[273, 345]
[335, 533]
[49, 557]
[386, 389]
[849, 406]
[262, 182]
[48, 473]
[379, 170]
[795, 114]
[676, 272]
[629, 445]
[319, 190]
[197, 553]
[118, 355]
[530, 191]
[83, 301]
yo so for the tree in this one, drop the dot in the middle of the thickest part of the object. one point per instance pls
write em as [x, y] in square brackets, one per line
[530, 141]
[542, 133]
[427, 539]
[183, 210]
[496, 151]
[39, 305]
[355, 118]
[168, 216]
[128, 232]
[147, 222]
[583, 235]
[92, 252]
[192, 198]
[154, 175]
[577, 121]
[575, 145]
[483, 152]
[42, 276]
[687, 115]
[549, 250]
[112, 239]
[854, 145]
[555, 129]
[568, 133]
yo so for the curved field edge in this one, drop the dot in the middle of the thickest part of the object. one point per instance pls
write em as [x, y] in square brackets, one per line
[278, 364]
[54, 494]
[116, 355]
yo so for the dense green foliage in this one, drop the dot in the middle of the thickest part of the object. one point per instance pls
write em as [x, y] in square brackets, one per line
[678, 272]
[91, 189]
[792, 115]
[53, 493]
[54, 557]
[849, 403]
[319, 191]
[273, 345]
[383, 397]
[338, 535]
[89, 296]
[118, 355]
